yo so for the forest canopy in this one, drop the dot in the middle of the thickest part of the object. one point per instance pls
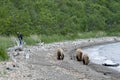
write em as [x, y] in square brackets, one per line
[58, 16]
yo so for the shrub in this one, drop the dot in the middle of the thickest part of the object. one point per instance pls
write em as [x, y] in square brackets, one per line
[3, 53]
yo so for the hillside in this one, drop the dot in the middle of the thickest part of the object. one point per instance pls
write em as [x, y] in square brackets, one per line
[58, 16]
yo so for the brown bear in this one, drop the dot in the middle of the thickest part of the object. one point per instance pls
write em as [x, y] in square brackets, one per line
[79, 54]
[60, 55]
[85, 59]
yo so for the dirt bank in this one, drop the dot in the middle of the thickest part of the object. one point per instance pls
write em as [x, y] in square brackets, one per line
[39, 63]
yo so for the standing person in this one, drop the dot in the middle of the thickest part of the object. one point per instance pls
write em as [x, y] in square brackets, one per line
[20, 37]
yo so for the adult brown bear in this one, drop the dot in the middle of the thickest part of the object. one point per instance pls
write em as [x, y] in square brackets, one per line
[79, 54]
[60, 55]
[85, 59]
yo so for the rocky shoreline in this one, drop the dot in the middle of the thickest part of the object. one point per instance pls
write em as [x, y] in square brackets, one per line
[39, 63]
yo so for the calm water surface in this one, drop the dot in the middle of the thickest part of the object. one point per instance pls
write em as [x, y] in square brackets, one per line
[102, 53]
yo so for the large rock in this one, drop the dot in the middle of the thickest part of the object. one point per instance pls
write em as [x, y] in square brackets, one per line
[110, 63]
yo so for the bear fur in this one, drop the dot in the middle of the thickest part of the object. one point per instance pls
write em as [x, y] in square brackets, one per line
[79, 54]
[85, 59]
[60, 55]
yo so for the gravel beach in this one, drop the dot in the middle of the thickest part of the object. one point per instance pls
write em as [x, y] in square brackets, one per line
[39, 62]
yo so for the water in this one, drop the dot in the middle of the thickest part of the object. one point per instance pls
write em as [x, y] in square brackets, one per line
[102, 53]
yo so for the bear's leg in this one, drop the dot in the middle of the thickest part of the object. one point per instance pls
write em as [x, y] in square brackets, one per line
[58, 56]
[84, 61]
[77, 58]
[62, 56]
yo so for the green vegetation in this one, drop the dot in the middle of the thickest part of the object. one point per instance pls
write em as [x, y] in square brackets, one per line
[4, 42]
[57, 38]
[32, 39]
[61, 17]
[3, 54]
[56, 20]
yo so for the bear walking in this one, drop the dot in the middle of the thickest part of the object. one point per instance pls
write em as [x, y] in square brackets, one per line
[85, 59]
[60, 55]
[79, 54]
